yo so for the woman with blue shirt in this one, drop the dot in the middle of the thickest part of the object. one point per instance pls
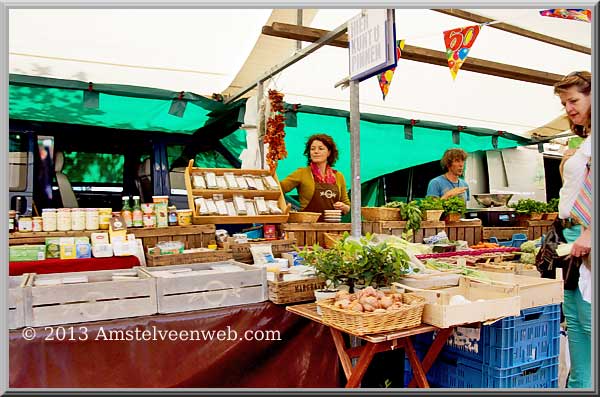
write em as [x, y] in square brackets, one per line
[450, 184]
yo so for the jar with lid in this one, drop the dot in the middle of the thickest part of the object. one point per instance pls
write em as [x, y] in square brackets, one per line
[37, 224]
[63, 219]
[77, 219]
[91, 219]
[25, 224]
[104, 215]
[172, 215]
[49, 219]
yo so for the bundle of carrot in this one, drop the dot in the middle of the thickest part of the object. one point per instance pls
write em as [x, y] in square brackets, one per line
[483, 245]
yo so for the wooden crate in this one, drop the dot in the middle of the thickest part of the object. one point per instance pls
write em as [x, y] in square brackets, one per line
[469, 231]
[193, 236]
[190, 170]
[396, 228]
[498, 301]
[536, 229]
[284, 292]
[241, 252]
[533, 291]
[98, 299]
[205, 290]
[189, 257]
[502, 233]
[16, 300]
[313, 233]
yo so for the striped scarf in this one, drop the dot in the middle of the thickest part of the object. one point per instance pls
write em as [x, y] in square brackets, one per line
[582, 208]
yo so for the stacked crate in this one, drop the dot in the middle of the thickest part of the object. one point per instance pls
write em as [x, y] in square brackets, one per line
[515, 352]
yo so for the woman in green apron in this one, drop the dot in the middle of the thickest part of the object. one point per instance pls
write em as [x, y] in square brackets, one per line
[320, 187]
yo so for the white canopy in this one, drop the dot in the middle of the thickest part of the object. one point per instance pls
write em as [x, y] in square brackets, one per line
[219, 51]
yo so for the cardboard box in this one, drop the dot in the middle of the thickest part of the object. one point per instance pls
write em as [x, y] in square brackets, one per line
[23, 253]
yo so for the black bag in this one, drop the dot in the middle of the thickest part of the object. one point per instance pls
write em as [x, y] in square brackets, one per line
[547, 260]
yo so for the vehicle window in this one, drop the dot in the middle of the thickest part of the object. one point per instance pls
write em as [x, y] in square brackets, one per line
[93, 168]
[17, 162]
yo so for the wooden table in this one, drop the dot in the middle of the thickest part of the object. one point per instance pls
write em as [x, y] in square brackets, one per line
[313, 233]
[379, 343]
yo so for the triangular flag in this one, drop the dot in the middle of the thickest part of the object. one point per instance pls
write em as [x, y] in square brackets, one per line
[458, 43]
[385, 78]
[575, 14]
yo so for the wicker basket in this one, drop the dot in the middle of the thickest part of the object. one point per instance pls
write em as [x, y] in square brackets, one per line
[432, 215]
[303, 217]
[283, 292]
[380, 214]
[550, 216]
[536, 216]
[356, 323]
[453, 217]
[330, 239]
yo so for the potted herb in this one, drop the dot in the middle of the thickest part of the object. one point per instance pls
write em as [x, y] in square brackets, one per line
[529, 209]
[432, 208]
[551, 210]
[454, 208]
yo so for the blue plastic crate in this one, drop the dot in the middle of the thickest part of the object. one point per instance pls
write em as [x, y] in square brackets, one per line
[460, 372]
[532, 336]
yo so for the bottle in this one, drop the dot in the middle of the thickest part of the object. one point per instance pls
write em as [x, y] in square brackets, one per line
[137, 214]
[172, 215]
[126, 212]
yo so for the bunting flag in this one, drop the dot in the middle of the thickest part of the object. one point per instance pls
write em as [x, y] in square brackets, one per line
[575, 14]
[385, 78]
[458, 43]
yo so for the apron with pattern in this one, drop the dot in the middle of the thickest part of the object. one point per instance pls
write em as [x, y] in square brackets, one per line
[325, 195]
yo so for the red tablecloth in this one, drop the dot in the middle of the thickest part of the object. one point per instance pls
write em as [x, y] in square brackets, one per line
[72, 265]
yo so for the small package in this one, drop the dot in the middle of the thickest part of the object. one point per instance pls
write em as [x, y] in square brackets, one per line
[212, 207]
[102, 250]
[250, 182]
[270, 182]
[53, 247]
[261, 206]
[67, 240]
[23, 253]
[117, 227]
[221, 182]
[198, 182]
[258, 181]
[250, 208]
[99, 238]
[231, 181]
[240, 204]
[273, 207]
[67, 251]
[262, 254]
[241, 182]
[83, 250]
[81, 240]
[201, 207]
[124, 248]
[230, 208]
[221, 207]
[211, 180]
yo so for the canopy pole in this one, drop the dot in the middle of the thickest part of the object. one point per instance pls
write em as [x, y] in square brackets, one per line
[355, 156]
[261, 125]
[299, 23]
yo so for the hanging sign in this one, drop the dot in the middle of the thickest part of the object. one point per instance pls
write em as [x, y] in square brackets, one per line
[372, 40]
[575, 14]
[385, 78]
[458, 43]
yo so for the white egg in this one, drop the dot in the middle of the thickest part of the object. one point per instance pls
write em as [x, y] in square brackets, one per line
[458, 300]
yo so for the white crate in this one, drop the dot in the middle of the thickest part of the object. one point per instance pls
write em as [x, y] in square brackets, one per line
[100, 298]
[16, 298]
[209, 290]
[498, 301]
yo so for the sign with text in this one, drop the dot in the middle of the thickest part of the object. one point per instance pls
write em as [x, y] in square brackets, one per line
[372, 39]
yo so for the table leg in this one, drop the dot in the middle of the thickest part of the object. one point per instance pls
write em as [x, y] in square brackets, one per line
[418, 372]
[340, 346]
[434, 350]
[361, 367]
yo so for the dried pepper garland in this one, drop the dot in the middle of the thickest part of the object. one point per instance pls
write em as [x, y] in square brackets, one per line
[275, 135]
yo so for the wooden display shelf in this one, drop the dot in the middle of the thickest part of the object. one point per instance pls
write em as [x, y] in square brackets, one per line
[311, 233]
[396, 228]
[190, 170]
[536, 229]
[469, 231]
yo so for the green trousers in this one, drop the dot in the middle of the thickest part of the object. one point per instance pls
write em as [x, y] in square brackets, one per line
[578, 314]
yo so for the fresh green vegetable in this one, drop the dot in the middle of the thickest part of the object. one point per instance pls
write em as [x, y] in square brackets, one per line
[409, 212]
[431, 203]
[528, 258]
[552, 205]
[454, 205]
[529, 206]
[528, 246]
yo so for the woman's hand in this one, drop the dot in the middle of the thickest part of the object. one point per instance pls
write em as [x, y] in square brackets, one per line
[341, 206]
[583, 245]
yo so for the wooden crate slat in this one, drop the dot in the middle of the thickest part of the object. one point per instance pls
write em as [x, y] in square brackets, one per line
[210, 300]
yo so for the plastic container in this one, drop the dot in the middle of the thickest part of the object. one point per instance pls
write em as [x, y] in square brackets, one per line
[160, 199]
[172, 210]
[104, 215]
[184, 217]
[63, 219]
[515, 340]
[91, 219]
[149, 220]
[37, 224]
[49, 220]
[77, 219]
[147, 208]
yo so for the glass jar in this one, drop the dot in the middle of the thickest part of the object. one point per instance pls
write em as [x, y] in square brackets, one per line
[12, 218]
[104, 215]
[63, 219]
[77, 219]
[37, 223]
[25, 224]
[49, 219]
[91, 219]
[172, 215]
